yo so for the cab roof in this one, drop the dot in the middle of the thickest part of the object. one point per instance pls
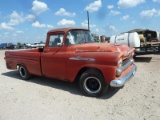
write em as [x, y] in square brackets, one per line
[66, 29]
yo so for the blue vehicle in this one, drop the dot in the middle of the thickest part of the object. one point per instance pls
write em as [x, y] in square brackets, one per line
[7, 46]
[3, 45]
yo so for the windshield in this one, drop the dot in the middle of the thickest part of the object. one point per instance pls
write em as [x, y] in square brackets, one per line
[78, 37]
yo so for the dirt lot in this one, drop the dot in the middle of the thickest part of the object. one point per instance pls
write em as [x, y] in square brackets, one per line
[48, 99]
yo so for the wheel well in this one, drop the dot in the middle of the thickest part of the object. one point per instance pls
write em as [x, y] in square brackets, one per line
[85, 69]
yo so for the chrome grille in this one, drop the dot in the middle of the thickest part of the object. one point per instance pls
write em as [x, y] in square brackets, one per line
[125, 64]
[125, 61]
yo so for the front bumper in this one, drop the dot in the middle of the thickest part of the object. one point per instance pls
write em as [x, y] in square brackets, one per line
[121, 81]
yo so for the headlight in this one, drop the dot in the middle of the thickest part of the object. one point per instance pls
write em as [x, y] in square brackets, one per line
[120, 62]
[118, 70]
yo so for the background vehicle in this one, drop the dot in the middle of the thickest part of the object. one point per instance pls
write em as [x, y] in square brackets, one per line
[3, 45]
[35, 45]
[144, 41]
[11, 46]
[7, 46]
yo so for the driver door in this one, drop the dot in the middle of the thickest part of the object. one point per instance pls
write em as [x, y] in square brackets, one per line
[53, 58]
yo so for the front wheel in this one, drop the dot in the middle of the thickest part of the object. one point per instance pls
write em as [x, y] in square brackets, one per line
[24, 73]
[92, 83]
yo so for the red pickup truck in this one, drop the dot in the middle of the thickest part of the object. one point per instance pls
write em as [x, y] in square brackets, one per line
[71, 54]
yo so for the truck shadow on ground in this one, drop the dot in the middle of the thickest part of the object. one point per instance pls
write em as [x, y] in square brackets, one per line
[143, 59]
[73, 88]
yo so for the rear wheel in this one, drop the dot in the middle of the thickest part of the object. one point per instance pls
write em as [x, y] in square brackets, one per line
[24, 73]
[92, 83]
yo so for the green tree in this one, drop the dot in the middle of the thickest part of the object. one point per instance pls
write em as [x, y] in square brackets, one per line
[41, 42]
[18, 44]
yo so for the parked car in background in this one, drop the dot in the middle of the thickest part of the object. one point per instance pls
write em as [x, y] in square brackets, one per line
[10, 46]
[35, 45]
[3, 45]
[7, 46]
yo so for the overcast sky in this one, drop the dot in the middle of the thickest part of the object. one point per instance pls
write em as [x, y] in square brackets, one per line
[29, 20]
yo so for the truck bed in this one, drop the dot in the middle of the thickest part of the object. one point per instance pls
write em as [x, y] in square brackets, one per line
[31, 59]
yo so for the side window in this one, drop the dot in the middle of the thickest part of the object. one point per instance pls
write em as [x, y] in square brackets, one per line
[56, 40]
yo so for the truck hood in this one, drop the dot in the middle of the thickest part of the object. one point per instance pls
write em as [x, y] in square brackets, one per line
[102, 47]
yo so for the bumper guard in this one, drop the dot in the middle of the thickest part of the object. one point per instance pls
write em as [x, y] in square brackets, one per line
[121, 81]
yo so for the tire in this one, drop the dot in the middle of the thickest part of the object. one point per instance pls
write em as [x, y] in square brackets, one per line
[25, 75]
[92, 83]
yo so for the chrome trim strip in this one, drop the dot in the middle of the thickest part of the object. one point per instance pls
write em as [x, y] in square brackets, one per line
[81, 58]
[121, 81]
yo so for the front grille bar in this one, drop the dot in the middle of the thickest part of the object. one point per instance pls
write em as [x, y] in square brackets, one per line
[126, 63]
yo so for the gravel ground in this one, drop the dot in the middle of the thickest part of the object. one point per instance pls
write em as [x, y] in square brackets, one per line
[48, 99]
